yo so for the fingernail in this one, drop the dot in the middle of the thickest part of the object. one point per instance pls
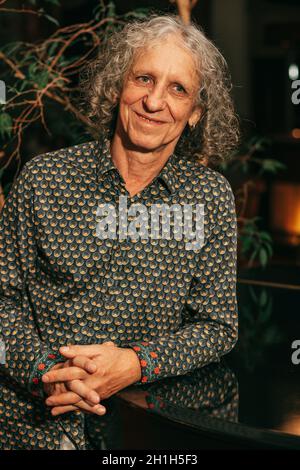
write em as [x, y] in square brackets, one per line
[92, 367]
[49, 402]
[64, 349]
[100, 410]
[45, 378]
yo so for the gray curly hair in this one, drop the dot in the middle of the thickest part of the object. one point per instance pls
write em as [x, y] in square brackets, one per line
[217, 133]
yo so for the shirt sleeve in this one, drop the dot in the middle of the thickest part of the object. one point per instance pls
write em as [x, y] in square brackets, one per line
[25, 358]
[210, 315]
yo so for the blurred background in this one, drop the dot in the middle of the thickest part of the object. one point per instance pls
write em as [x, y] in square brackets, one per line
[45, 44]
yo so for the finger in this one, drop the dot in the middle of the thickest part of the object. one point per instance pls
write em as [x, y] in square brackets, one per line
[68, 363]
[84, 350]
[67, 398]
[81, 389]
[85, 363]
[96, 409]
[58, 410]
[62, 375]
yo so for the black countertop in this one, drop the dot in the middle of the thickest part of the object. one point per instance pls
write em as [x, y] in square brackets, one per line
[250, 399]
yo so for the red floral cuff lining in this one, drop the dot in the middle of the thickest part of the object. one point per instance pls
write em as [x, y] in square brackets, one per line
[40, 367]
[148, 361]
[154, 402]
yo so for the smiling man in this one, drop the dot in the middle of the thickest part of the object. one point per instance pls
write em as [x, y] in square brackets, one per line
[132, 311]
[158, 100]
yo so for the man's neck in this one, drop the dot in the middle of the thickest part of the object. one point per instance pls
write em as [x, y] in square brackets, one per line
[137, 168]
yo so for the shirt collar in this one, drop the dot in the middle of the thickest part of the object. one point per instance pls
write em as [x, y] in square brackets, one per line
[168, 174]
[104, 159]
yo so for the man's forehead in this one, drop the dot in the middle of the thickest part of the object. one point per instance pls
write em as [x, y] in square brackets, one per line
[155, 64]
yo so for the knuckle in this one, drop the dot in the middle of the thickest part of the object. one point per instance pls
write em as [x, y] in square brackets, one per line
[77, 373]
[102, 372]
[77, 361]
[72, 385]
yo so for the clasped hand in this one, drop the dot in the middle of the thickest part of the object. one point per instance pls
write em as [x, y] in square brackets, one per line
[90, 374]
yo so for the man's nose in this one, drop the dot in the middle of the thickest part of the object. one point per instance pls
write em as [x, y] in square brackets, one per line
[155, 99]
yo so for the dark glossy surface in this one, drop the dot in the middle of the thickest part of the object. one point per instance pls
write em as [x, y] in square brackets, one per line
[250, 399]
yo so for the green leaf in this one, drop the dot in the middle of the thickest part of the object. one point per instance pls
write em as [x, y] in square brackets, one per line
[52, 48]
[32, 70]
[252, 294]
[111, 10]
[141, 12]
[246, 244]
[265, 236]
[254, 254]
[262, 143]
[245, 166]
[23, 85]
[52, 20]
[11, 47]
[263, 257]
[263, 298]
[265, 313]
[269, 249]
[40, 77]
[6, 124]
[223, 166]
[271, 165]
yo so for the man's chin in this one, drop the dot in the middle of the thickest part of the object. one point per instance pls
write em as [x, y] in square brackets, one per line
[145, 145]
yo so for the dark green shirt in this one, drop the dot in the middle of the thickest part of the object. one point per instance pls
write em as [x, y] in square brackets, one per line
[61, 283]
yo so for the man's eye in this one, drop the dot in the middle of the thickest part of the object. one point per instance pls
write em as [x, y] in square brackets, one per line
[179, 88]
[143, 79]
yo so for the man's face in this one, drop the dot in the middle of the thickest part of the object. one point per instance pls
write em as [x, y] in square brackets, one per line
[158, 96]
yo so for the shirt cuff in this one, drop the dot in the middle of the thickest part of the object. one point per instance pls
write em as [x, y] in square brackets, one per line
[44, 363]
[148, 361]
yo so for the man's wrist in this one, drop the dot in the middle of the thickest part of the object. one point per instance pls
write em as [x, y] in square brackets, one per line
[134, 365]
[149, 363]
[43, 363]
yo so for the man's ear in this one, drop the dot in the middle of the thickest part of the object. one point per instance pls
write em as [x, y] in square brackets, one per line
[195, 117]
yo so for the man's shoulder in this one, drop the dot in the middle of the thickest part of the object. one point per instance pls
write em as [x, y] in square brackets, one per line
[80, 155]
[205, 177]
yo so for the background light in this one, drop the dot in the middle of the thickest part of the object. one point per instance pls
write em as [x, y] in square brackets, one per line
[294, 72]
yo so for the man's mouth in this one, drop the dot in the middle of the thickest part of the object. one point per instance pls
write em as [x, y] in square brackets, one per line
[146, 119]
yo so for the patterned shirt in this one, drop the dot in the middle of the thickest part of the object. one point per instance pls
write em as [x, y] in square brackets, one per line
[61, 283]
